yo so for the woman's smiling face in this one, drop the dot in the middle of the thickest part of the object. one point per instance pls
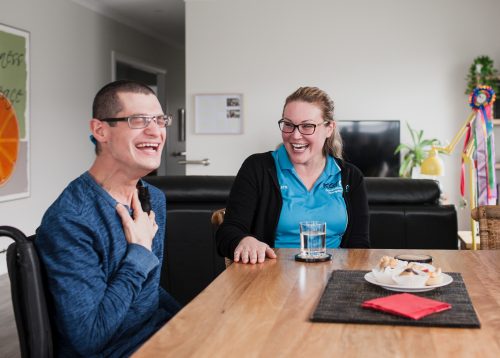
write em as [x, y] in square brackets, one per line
[305, 149]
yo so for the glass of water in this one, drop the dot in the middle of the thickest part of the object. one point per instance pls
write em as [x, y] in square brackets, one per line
[312, 239]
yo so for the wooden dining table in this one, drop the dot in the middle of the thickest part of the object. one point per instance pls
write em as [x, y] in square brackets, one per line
[264, 310]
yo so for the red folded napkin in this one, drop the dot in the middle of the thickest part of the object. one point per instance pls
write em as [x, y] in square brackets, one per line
[407, 305]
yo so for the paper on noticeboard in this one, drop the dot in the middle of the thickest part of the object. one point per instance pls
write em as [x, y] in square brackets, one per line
[219, 114]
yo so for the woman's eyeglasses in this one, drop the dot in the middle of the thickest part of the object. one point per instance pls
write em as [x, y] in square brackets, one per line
[304, 128]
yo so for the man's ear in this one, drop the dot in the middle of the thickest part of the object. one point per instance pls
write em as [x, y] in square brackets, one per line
[98, 130]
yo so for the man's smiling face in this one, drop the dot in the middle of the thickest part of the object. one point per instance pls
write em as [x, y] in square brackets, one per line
[136, 149]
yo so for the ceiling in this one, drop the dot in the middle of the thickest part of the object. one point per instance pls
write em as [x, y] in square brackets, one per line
[161, 19]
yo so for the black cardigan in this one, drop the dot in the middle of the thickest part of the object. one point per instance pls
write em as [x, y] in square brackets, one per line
[254, 205]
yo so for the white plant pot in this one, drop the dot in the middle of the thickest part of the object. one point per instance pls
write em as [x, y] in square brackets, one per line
[415, 173]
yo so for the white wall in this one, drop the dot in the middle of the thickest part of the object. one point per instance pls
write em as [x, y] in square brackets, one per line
[70, 60]
[384, 59]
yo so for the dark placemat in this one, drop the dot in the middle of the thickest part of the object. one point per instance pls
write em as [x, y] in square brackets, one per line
[346, 290]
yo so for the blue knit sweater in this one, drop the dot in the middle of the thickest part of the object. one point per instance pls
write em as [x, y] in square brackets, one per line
[104, 292]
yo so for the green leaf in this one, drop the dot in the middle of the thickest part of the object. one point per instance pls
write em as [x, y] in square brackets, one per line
[420, 134]
[429, 142]
[401, 147]
[415, 153]
[406, 166]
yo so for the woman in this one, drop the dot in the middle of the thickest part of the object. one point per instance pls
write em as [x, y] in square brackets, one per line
[304, 179]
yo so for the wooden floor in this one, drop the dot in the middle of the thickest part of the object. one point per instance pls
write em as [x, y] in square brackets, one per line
[9, 344]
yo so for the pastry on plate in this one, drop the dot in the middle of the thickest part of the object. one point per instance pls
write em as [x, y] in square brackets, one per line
[435, 278]
[421, 267]
[388, 261]
[409, 271]
[410, 278]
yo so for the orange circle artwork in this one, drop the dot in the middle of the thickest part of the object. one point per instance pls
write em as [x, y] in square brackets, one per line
[9, 139]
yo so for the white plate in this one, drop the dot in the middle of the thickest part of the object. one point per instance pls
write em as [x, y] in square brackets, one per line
[447, 279]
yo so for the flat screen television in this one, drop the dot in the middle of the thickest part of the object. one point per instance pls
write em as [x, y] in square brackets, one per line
[370, 146]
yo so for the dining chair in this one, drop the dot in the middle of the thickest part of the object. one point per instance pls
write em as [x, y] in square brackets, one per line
[28, 296]
[488, 217]
[217, 219]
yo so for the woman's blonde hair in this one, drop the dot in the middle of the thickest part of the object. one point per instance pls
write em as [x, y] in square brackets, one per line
[314, 95]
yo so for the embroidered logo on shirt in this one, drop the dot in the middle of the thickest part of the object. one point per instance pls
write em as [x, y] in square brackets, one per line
[284, 187]
[332, 188]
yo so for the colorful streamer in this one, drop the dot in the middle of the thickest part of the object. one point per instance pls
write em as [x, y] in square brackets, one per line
[481, 100]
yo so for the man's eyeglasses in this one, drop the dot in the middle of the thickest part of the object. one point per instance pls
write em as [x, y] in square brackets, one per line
[304, 128]
[139, 122]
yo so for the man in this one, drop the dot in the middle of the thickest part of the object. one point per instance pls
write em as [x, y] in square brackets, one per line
[101, 252]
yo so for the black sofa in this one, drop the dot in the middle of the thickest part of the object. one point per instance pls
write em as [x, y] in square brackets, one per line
[404, 214]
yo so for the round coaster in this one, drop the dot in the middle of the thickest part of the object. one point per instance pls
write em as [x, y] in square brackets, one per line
[326, 257]
[425, 259]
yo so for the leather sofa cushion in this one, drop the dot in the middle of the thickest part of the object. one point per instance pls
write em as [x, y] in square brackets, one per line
[413, 227]
[193, 189]
[399, 191]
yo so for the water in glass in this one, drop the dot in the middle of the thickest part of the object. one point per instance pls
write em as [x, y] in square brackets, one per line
[312, 238]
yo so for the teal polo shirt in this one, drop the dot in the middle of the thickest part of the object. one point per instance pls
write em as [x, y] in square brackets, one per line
[324, 202]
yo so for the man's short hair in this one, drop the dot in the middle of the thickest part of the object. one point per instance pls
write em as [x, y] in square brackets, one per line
[107, 104]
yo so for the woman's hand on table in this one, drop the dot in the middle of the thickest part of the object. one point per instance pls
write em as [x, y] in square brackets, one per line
[251, 250]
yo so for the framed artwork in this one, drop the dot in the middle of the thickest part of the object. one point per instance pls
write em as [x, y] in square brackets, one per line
[14, 113]
[218, 113]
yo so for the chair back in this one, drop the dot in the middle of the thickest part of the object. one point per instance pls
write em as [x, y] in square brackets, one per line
[28, 295]
[217, 219]
[489, 226]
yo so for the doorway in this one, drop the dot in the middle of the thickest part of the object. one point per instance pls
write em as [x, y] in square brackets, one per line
[129, 68]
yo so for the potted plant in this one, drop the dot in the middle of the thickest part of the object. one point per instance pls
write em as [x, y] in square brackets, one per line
[482, 72]
[414, 154]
